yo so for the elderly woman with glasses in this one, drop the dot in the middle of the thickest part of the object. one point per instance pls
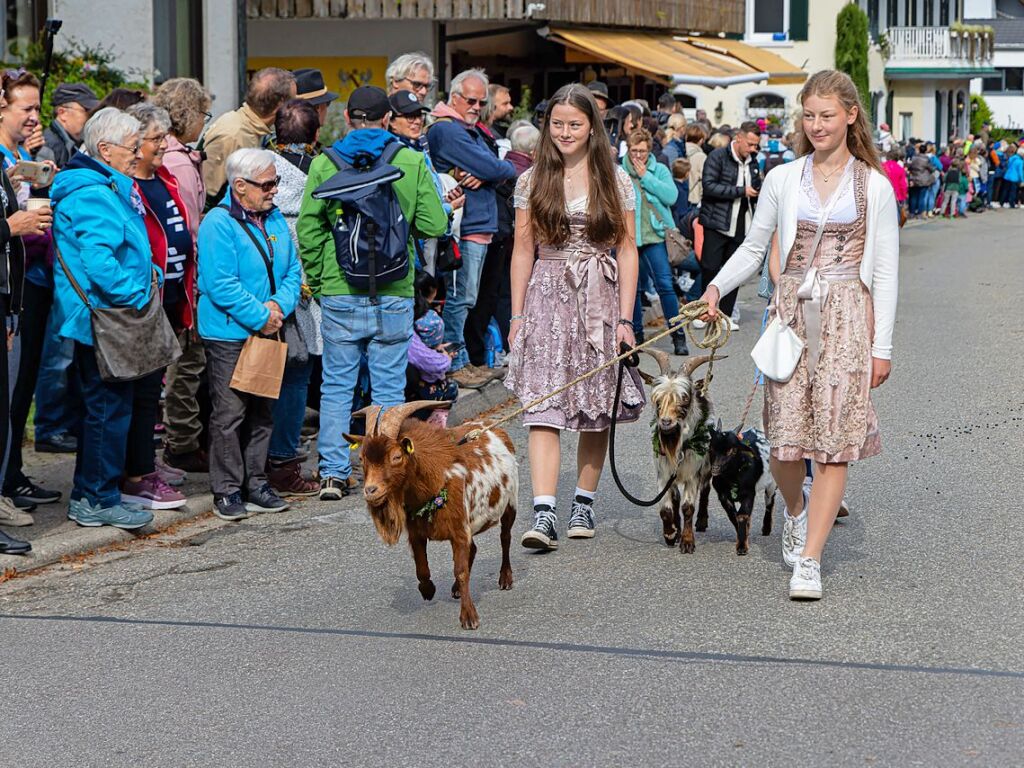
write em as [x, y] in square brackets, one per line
[101, 240]
[242, 241]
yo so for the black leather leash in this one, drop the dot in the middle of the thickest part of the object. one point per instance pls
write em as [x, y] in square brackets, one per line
[630, 362]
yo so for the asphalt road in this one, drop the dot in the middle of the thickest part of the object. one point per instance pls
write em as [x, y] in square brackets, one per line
[299, 639]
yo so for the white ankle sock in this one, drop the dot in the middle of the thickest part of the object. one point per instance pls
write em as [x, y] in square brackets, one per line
[548, 500]
[588, 495]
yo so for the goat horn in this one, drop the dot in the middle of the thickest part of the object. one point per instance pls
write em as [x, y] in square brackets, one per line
[693, 363]
[662, 358]
[391, 421]
[370, 413]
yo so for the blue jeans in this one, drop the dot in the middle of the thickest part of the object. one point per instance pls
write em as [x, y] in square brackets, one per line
[102, 434]
[932, 196]
[53, 412]
[352, 326]
[691, 265]
[462, 298]
[654, 265]
[290, 412]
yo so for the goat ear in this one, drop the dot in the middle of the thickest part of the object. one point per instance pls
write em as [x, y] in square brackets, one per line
[354, 441]
[648, 379]
[718, 425]
[407, 446]
[739, 430]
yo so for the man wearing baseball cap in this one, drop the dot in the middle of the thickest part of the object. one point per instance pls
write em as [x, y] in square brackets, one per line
[72, 103]
[353, 323]
[309, 86]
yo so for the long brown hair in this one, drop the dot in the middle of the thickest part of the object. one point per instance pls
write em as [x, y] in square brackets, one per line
[605, 220]
[830, 82]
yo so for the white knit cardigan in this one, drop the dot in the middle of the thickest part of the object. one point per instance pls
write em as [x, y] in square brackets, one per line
[777, 209]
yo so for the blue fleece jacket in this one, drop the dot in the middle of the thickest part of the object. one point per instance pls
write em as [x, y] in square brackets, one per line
[370, 141]
[453, 144]
[102, 239]
[233, 280]
[659, 190]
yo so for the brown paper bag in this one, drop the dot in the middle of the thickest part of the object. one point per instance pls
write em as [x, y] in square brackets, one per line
[260, 367]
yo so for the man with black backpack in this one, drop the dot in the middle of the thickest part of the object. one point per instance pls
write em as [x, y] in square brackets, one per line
[367, 198]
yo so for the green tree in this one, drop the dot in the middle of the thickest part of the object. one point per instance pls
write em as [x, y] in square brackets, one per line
[980, 114]
[852, 48]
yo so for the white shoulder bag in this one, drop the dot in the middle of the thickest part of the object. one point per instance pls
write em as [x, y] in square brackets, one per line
[778, 351]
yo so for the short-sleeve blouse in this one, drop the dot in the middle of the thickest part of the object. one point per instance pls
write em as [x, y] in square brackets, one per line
[810, 205]
[521, 198]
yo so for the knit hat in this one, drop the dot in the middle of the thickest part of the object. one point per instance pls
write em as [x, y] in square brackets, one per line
[430, 328]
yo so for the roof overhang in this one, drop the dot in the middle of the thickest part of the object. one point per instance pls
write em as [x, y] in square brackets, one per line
[678, 59]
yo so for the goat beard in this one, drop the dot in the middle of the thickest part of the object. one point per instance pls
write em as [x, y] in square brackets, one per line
[389, 520]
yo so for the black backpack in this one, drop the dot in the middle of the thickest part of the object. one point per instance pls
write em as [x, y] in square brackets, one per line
[371, 236]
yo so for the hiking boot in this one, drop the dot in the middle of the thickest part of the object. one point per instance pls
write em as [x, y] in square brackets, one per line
[263, 499]
[543, 534]
[470, 378]
[151, 492]
[119, 516]
[334, 488]
[190, 461]
[230, 507]
[288, 480]
[59, 443]
[679, 344]
[581, 521]
[27, 494]
[11, 515]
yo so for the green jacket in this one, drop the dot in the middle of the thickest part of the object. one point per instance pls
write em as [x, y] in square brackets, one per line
[418, 199]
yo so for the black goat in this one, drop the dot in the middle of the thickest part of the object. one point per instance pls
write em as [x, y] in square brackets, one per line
[739, 469]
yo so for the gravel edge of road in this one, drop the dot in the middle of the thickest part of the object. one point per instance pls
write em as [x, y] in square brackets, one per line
[80, 542]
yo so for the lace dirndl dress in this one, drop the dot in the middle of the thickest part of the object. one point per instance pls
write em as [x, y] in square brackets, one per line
[824, 412]
[571, 312]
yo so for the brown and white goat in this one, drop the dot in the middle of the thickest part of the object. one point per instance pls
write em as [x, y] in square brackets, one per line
[417, 478]
[680, 434]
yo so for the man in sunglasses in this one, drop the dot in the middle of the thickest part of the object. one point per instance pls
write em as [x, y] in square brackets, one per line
[457, 147]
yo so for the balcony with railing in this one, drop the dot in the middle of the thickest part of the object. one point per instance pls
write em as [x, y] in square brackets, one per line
[915, 52]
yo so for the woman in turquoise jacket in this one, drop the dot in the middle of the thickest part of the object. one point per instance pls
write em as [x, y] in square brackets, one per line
[241, 241]
[101, 238]
[1012, 178]
[656, 192]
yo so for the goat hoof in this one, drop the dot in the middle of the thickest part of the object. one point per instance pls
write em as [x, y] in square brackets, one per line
[505, 580]
[469, 619]
[688, 547]
[456, 592]
[671, 542]
[701, 527]
[427, 589]
[741, 551]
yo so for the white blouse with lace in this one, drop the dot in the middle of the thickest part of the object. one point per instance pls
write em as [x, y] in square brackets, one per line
[810, 206]
[521, 199]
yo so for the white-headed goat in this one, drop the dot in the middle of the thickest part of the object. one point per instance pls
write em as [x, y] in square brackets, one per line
[418, 478]
[680, 432]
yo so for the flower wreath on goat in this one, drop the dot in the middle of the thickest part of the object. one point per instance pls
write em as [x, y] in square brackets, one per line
[436, 503]
[699, 442]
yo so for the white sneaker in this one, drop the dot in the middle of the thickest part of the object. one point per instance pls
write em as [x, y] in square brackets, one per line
[794, 534]
[805, 583]
[1006, 205]
[698, 325]
[733, 325]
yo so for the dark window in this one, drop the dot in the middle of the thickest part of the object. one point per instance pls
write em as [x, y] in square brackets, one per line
[910, 13]
[929, 13]
[1013, 80]
[873, 11]
[178, 38]
[686, 101]
[943, 13]
[992, 84]
[892, 16]
[769, 16]
[766, 101]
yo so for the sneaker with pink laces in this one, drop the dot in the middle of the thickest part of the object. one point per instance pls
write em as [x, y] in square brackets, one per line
[151, 492]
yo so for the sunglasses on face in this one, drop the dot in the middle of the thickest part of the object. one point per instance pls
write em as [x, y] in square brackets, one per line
[417, 84]
[265, 186]
[473, 102]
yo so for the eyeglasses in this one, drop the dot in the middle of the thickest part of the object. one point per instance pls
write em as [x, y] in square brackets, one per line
[265, 186]
[417, 84]
[207, 117]
[158, 139]
[473, 102]
[134, 150]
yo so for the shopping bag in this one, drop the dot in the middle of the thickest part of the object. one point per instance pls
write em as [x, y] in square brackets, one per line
[260, 367]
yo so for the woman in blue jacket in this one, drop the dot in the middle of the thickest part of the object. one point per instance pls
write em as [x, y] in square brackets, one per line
[241, 241]
[101, 237]
[1012, 178]
[656, 192]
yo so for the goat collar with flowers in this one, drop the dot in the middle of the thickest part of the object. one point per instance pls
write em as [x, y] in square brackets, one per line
[436, 503]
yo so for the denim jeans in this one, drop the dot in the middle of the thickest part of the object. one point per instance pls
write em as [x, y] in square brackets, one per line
[654, 263]
[933, 195]
[352, 326]
[290, 412]
[461, 298]
[102, 433]
[54, 415]
[691, 265]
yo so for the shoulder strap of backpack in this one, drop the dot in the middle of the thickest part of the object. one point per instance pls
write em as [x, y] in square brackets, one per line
[259, 247]
[335, 157]
[392, 149]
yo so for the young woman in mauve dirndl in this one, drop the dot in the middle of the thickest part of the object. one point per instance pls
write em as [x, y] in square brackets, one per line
[840, 299]
[574, 273]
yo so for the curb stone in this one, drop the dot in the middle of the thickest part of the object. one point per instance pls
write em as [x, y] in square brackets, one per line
[69, 540]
